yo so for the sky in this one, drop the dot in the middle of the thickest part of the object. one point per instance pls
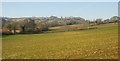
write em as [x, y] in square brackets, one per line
[87, 10]
[60, 0]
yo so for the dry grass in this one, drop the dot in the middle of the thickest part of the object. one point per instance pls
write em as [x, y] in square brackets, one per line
[101, 43]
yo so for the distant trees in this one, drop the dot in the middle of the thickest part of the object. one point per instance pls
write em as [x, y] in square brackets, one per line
[41, 26]
[10, 26]
[114, 19]
[23, 25]
[106, 21]
[28, 25]
[38, 25]
[98, 21]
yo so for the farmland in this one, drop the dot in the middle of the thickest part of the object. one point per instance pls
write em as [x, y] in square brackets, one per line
[100, 43]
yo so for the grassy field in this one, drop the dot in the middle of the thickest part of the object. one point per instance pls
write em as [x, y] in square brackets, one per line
[100, 43]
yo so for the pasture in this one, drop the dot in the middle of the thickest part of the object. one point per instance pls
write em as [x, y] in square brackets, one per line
[100, 43]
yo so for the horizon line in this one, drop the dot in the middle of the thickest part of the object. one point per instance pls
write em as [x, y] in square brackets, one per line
[58, 17]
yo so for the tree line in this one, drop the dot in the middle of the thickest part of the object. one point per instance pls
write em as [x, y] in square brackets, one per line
[42, 24]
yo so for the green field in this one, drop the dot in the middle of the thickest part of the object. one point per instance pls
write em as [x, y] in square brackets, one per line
[100, 43]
